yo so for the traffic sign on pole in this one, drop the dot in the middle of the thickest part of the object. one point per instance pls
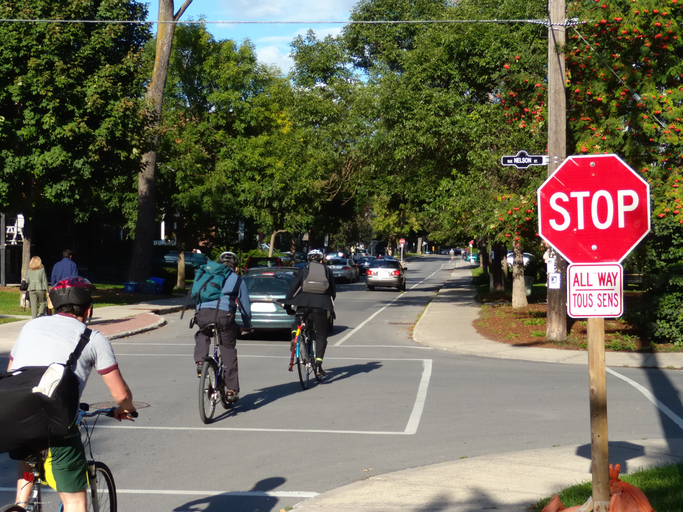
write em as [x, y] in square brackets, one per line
[594, 209]
[402, 241]
[595, 290]
[522, 160]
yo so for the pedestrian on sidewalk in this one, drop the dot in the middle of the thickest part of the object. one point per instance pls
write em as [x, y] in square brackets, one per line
[37, 287]
[65, 268]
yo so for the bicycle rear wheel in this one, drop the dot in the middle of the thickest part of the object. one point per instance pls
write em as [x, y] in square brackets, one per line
[305, 365]
[208, 391]
[102, 494]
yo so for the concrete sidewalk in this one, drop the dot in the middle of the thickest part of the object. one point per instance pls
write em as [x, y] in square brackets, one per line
[112, 321]
[509, 481]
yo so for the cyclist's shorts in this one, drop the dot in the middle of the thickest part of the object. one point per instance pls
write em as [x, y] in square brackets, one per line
[65, 467]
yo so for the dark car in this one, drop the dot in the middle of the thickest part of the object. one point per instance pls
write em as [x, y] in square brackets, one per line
[364, 263]
[262, 262]
[266, 287]
[193, 260]
[383, 272]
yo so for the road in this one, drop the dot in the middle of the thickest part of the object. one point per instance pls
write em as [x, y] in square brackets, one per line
[387, 404]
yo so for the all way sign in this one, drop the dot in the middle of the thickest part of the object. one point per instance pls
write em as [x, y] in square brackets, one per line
[595, 290]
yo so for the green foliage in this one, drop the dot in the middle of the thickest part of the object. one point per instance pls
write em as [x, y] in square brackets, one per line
[70, 122]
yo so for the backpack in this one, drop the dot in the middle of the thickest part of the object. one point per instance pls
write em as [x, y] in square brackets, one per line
[39, 402]
[209, 281]
[316, 281]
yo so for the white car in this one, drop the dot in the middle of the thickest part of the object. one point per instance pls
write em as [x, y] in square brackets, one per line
[526, 257]
[344, 268]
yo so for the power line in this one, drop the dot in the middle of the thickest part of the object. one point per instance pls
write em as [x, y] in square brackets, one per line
[545, 22]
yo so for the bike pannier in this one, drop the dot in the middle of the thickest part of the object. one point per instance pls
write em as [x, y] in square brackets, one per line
[39, 402]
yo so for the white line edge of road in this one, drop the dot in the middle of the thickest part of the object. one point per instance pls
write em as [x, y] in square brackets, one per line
[657, 403]
[360, 326]
[411, 426]
[249, 494]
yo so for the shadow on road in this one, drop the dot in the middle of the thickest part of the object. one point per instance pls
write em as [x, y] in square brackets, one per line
[256, 499]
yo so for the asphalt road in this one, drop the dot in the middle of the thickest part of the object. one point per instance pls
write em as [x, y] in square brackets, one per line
[387, 404]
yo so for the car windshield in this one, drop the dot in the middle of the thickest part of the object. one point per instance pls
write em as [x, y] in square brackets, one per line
[338, 262]
[385, 264]
[262, 284]
[365, 260]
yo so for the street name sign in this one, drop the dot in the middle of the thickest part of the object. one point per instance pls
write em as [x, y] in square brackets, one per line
[594, 209]
[522, 160]
[595, 290]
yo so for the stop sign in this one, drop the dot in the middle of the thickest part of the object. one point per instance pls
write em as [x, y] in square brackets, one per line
[594, 208]
[402, 241]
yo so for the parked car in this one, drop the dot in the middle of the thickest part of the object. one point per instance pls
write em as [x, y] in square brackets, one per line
[526, 258]
[383, 272]
[364, 263]
[193, 260]
[262, 262]
[344, 268]
[266, 287]
[356, 256]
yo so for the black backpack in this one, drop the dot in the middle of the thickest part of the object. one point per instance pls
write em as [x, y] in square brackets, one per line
[39, 402]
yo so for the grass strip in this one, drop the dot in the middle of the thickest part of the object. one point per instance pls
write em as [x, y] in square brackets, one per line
[663, 486]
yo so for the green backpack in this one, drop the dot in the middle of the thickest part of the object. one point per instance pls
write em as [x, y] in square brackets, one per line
[209, 281]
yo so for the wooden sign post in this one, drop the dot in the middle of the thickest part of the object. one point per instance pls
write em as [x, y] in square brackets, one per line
[598, 414]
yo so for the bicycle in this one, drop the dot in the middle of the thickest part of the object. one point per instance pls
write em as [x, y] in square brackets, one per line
[101, 495]
[212, 387]
[303, 352]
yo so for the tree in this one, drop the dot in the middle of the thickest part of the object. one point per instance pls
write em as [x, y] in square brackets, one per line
[146, 214]
[69, 110]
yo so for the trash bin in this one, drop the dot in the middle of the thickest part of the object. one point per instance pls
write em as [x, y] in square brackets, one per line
[150, 288]
[129, 287]
[158, 281]
[528, 284]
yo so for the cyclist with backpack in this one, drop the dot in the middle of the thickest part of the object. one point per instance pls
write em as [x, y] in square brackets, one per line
[219, 291]
[313, 293]
[48, 339]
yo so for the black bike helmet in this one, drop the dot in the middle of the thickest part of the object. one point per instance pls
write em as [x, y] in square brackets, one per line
[229, 258]
[72, 291]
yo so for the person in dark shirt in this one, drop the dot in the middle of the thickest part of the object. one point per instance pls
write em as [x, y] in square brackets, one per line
[64, 269]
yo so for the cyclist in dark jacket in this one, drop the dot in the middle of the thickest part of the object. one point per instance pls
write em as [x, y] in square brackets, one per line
[318, 307]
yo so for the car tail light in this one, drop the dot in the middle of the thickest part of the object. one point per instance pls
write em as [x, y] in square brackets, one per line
[371, 272]
[395, 273]
[346, 268]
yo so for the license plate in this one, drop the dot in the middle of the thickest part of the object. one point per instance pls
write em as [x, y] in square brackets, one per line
[263, 307]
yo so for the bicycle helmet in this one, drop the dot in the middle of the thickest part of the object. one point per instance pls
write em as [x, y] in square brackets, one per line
[229, 258]
[315, 254]
[75, 291]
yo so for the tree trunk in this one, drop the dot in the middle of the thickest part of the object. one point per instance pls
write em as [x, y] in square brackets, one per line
[419, 245]
[272, 241]
[26, 247]
[144, 226]
[518, 287]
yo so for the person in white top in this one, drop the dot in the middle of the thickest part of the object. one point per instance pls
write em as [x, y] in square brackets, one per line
[51, 339]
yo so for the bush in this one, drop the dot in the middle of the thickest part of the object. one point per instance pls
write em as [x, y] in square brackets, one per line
[662, 318]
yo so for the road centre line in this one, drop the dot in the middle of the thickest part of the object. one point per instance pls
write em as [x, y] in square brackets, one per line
[657, 403]
[410, 429]
[249, 494]
[382, 309]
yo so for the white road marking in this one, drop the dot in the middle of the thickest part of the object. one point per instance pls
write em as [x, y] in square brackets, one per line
[668, 412]
[354, 331]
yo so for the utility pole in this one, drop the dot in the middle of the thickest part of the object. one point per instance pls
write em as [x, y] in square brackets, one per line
[556, 320]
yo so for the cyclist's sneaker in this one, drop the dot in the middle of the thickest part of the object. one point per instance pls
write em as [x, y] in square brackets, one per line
[233, 396]
[200, 365]
[319, 369]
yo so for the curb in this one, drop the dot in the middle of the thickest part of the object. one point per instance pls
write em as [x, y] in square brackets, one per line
[124, 334]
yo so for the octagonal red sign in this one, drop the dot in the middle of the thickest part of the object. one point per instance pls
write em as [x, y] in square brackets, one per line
[594, 208]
